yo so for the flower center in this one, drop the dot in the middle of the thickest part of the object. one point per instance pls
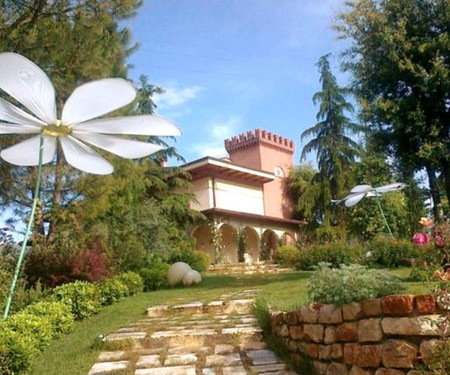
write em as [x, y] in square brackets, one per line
[57, 129]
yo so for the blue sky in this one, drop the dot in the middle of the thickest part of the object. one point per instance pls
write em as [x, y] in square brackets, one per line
[229, 66]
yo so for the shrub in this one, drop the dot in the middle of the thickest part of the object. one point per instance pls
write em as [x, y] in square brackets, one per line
[287, 256]
[36, 329]
[388, 252]
[112, 290]
[132, 281]
[420, 273]
[198, 260]
[333, 253]
[82, 297]
[350, 284]
[58, 314]
[154, 275]
[16, 351]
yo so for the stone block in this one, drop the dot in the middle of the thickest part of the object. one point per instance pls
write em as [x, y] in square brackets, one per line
[330, 335]
[311, 350]
[426, 350]
[389, 371]
[291, 318]
[157, 311]
[371, 307]
[151, 360]
[108, 367]
[324, 352]
[420, 372]
[352, 311]
[356, 370]
[296, 332]
[284, 330]
[397, 305]
[369, 330]
[363, 355]
[309, 314]
[330, 314]
[234, 370]
[399, 354]
[347, 332]
[313, 332]
[335, 368]
[320, 368]
[426, 304]
[292, 346]
[423, 325]
[337, 351]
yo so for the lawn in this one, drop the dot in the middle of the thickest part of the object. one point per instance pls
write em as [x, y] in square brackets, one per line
[74, 354]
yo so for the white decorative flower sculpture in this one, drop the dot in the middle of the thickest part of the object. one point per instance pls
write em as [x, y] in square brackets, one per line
[361, 191]
[79, 124]
[30, 86]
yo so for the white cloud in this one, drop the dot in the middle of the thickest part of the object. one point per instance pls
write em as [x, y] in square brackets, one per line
[174, 96]
[213, 145]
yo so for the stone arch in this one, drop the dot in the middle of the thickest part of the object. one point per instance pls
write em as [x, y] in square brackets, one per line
[203, 238]
[288, 239]
[270, 240]
[253, 244]
[229, 243]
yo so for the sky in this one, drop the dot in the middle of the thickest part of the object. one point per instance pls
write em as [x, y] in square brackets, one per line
[229, 66]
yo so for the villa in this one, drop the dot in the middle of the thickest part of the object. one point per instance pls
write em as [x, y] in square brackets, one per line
[243, 195]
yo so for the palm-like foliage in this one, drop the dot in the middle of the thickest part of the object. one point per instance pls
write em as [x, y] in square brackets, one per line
[335, 150]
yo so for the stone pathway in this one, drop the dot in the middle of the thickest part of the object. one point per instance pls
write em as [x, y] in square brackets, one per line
[217, 338]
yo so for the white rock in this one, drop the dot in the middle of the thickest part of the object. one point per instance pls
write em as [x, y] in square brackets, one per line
[176, 273]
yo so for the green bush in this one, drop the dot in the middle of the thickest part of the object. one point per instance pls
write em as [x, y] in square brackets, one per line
[154, 275]
[287, 256]
[132, 281]
[198, 260]
[58, 314]
[333, 253]
[388, 252]
[82, 297]
[350, 284]
[420, 273]
[36, 329]
[16, 351]
[112, 290]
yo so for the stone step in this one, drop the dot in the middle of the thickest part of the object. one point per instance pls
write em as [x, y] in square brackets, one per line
[247, 268]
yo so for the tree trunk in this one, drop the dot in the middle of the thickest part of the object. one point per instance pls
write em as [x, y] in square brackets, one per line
[446, 172]
[57, 188]
[435, 193]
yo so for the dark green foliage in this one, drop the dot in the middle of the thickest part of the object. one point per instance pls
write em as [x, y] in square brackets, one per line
[388, 252]
[132, 281]
[16, 351]
[332, 253]
[424, 274]
[154, 276]
[59, 315]
[350, 284]
[82, 297]
[112, 290]
[241, 245]
[287, 256]
[198, 260]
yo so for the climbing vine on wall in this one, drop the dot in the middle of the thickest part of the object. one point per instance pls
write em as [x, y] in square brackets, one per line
[216, 235]
[241, 244]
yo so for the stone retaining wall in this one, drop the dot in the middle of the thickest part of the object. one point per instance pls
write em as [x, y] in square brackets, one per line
[393, 335]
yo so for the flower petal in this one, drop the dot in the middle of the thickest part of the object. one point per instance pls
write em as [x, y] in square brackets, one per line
[97, 98]
[361, 188]
[83, 157]
[7, 128]
[28, 84]
[390, 187]
[354, 199]
[125, 148]
[133, 125]
[10, 113]
[26, 153]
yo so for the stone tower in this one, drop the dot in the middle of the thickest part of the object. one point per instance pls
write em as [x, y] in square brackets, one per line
[263, 150]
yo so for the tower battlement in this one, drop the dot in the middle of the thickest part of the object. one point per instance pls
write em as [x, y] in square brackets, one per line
[259, 137]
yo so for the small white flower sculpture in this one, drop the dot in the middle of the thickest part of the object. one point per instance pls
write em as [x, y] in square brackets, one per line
[361, 191]
[30, 86]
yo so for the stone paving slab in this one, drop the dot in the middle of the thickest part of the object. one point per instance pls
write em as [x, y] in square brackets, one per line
[221, 337]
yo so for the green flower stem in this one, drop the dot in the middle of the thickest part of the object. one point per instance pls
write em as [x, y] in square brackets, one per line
[27, 233]
[382, 214]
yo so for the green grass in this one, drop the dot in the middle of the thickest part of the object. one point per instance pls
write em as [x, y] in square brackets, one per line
[75, 353]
